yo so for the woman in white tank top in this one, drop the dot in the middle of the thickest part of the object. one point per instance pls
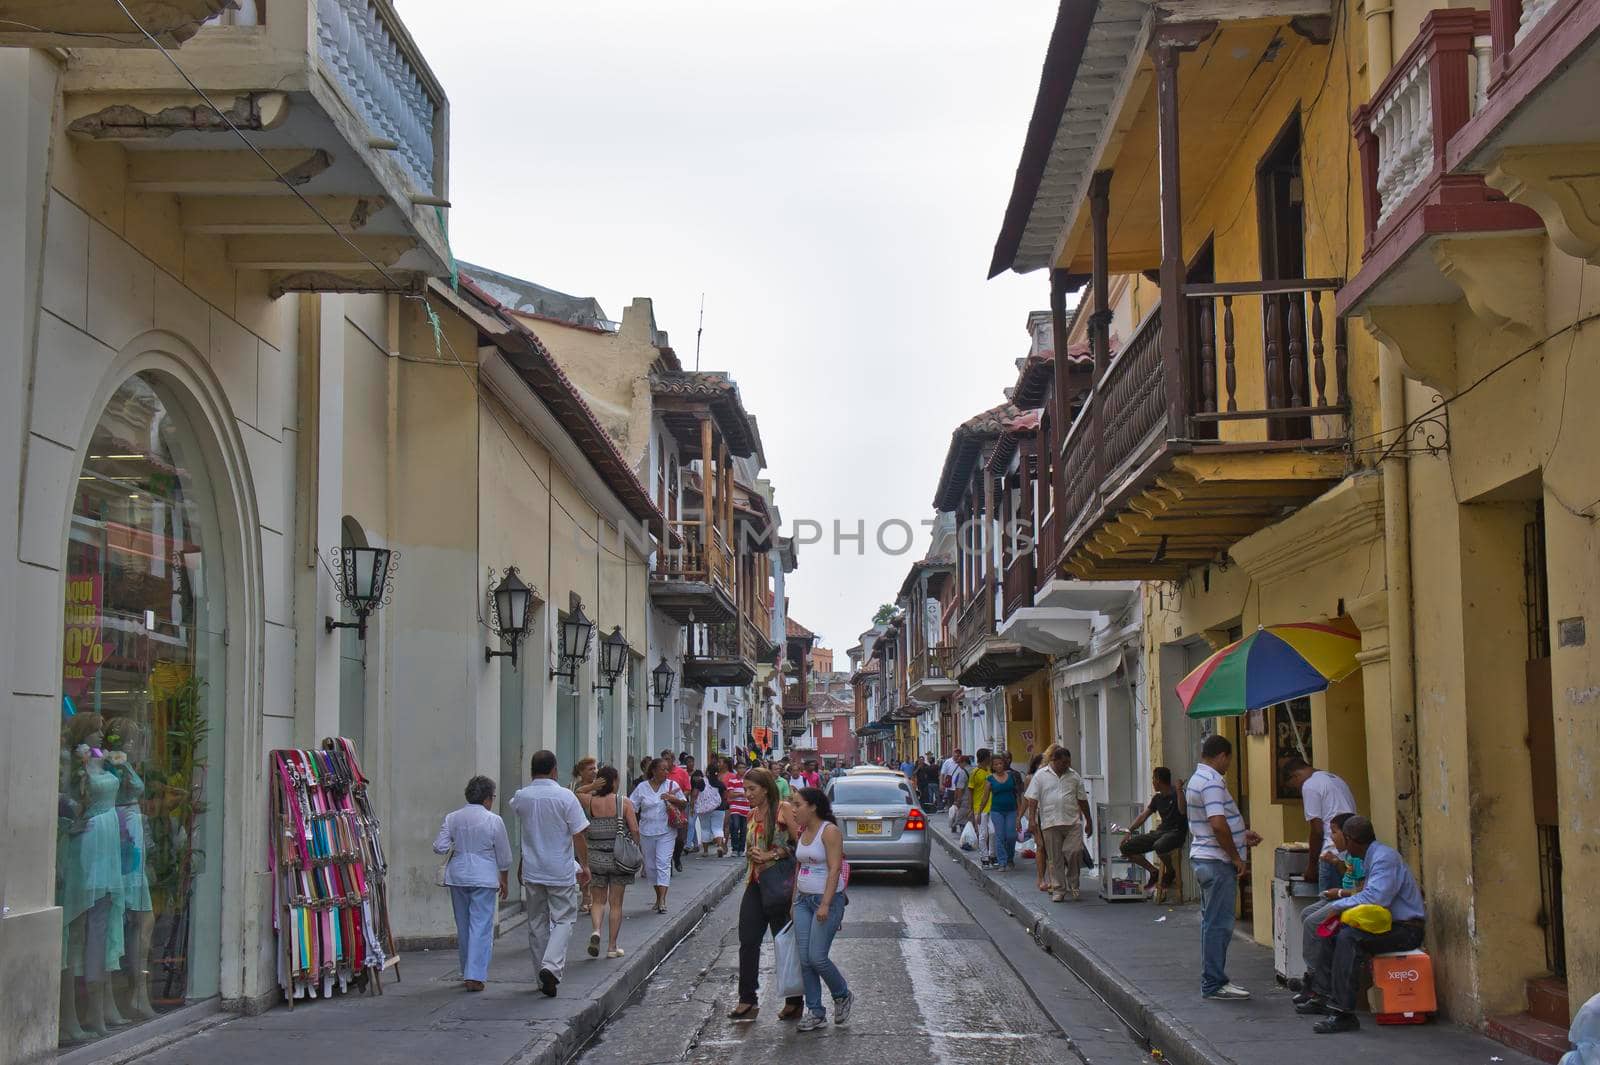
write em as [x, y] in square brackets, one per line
[819, 903]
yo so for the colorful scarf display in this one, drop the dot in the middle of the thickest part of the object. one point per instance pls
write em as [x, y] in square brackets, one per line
[330, 907]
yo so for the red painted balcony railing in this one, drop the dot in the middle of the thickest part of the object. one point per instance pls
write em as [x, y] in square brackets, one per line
[1431, 92]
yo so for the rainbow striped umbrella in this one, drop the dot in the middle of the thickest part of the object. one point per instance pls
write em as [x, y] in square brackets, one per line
[1274, 664]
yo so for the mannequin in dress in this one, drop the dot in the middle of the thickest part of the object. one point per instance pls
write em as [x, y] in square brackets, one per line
[127, 749]
[93, 890]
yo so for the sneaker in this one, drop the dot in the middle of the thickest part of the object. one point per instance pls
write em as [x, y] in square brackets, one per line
[1338, 1021]
[1229, 993]
[594, 944]
[1058, 897]
[1311, 1007]
[548, 982]
[811, 1022]
[841, 1008]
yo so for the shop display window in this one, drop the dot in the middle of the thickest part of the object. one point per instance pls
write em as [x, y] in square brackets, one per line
[139, 837]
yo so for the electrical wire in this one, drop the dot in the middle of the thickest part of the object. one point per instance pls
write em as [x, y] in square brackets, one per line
[398, 289]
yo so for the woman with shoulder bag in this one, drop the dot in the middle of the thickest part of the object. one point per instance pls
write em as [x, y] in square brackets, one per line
[768, 890]
[660, 803]
[819, 902]
[614, 854]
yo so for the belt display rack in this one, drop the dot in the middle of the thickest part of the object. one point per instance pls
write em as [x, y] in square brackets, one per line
[330, 900]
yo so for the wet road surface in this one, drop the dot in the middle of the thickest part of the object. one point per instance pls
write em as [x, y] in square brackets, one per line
[941, 975]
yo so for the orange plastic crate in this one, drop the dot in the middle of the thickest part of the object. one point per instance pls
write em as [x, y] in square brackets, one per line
[1404, 983]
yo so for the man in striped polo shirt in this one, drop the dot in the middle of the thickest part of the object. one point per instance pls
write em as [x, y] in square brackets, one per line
[1219, 840]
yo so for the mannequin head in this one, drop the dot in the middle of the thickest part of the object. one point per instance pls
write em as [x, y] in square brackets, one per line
[86, 728]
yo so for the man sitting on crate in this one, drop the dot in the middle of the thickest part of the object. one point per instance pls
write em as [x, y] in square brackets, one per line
[1172, 829]
[1336, 970]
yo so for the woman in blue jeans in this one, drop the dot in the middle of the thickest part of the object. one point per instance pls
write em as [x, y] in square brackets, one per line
[819, 902]
[480, 854]
[1005, 793]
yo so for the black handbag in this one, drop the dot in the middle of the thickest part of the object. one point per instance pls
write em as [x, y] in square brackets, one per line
[776, 882]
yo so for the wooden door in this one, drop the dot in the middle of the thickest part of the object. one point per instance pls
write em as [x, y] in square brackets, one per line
[1281, 215]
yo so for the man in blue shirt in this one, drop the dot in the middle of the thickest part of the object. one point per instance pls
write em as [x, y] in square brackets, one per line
[1335, 971]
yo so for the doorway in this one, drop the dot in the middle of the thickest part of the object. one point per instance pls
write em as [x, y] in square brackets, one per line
[1280, 206]
[1542, 744]
[1203, 330]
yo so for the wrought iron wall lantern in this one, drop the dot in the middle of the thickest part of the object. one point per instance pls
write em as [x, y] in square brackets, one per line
[511, 610]
[613, 659]
[363, 579]
[576, 633]
[661, 679]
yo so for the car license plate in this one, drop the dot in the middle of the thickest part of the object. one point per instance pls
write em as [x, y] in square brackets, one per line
[869, 828]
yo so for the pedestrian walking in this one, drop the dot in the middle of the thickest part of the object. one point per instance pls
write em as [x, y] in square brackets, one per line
[659, 802]
[961, 794]
[608, 880]
[479, 852]
[708, 816]
[947, 772]
[764, 908]
[583, 782]
[697, 784]
[978, 784]
[1005, 801]
[927, 775]
[819, 904]
[555, 865]
[738, 809]
[1220, 839]
[678, 770]
[1059, 805]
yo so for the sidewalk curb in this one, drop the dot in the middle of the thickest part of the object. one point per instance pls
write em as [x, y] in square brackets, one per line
[1177, 1041]
[555, 1047]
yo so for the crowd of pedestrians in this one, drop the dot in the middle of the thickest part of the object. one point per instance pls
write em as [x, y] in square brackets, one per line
[581, 846]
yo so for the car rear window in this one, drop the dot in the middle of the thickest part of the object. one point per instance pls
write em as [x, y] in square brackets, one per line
[865, 792]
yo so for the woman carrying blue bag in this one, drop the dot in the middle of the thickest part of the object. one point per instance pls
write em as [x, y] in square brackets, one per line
[819, 904]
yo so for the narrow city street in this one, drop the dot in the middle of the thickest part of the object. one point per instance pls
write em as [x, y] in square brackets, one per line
[941, 974]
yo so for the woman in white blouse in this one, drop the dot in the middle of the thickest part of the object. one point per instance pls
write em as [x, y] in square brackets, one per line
[480, 854]
[655, 795]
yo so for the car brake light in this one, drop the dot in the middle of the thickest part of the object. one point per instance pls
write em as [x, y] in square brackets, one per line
[914, 822]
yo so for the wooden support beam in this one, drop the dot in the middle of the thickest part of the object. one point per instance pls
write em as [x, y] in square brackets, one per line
[223, 172]
[267, 215]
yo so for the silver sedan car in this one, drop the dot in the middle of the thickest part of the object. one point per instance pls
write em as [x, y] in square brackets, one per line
[883, 825]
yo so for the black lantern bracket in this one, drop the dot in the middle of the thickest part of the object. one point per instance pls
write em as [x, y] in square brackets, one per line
[511, 602]
[613, 660]
[576, 635]
[661, 679]
[363, 580]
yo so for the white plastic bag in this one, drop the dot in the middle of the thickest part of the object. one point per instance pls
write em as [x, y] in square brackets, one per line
[1585, 1035]
[788, 954]
[969, 838]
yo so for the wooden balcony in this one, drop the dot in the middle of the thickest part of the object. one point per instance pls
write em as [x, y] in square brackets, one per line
[1018, 586]
[721, 655]
[1161, 477]
[1412, 197]
[101, 23]
[341, 106]
[931, 674]
[691, 582]
[983, 659]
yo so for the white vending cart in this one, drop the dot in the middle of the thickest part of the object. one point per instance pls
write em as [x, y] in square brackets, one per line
[1120, 879]
[1292, 895]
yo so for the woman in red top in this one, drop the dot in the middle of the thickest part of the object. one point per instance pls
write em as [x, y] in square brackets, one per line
[738, 810]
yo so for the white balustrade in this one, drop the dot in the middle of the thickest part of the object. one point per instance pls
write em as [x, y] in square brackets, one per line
[1478, 71]
[1403, 128]
[1532, 12]
[365, 59]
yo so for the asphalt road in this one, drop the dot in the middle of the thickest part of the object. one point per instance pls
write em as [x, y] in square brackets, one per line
[941, 975]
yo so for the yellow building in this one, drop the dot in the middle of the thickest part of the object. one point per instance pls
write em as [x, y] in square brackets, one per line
[1303, 181]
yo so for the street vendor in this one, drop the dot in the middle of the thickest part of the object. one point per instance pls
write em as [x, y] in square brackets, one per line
[1325, 796]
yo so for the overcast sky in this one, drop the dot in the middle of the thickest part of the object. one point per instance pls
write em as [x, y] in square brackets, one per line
[831, 175]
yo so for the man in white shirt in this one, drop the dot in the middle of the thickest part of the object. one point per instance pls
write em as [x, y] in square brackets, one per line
[555, 860]
[1058, 804]
[1220, 838]
[948, 770]
[1325, 796]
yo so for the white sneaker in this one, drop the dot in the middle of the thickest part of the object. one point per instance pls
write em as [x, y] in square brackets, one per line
[810, 1023]
[841, 1008]
[1229, 992]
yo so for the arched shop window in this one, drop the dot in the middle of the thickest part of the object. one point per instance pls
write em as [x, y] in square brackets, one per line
[353, 657]
[140, 804]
